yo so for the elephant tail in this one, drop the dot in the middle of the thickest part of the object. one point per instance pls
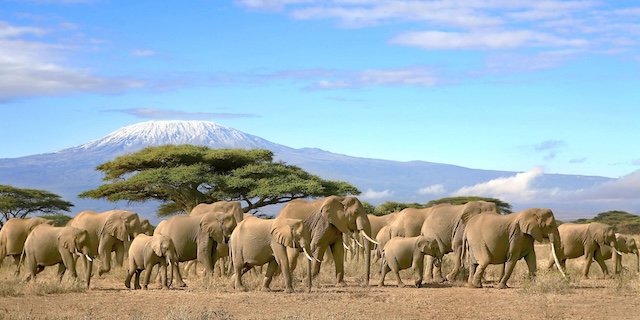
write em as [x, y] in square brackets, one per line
[3, 246]
[383, 261]
[22, 255]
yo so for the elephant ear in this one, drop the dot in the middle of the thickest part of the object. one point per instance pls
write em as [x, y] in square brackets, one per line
[282, 232]
[115, 226]
[212, 227]
[598, 234]
[156, 245]
[530, 224]
[333, 211]
[67, 240]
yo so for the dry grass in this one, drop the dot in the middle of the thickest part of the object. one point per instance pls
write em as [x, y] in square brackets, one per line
[549, 295]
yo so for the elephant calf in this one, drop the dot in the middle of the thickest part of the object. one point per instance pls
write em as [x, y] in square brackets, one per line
[401, 253]
[47, 245]
[144, 253]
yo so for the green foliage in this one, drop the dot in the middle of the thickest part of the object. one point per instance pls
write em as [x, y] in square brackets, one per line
[368, 207]
[391, 206]
[59, 220]
[621, 221]
[503, 207]
[19, 203]
[183, 176]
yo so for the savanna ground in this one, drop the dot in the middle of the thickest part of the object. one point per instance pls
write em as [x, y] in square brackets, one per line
[550, 296]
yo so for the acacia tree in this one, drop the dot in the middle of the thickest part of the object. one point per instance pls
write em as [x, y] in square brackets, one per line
[503, 207]
[19, 203]
[183, 176]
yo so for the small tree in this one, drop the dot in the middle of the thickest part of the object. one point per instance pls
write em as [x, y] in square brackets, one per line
[19, 203]
[183, 176]
[503, 207]
[391, 206]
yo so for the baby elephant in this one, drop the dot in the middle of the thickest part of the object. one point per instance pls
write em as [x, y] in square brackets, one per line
[144, 253]
[47, 245]
[402, 253]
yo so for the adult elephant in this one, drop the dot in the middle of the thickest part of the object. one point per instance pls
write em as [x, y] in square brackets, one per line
[108, 232]
[624, 244]
[257, 241]
[146, 227]
[232, 207]
[13, 235]
[197, 237]
[586, 240]
[446, 223]
[498, 239]
[327, 219]
[47, 245]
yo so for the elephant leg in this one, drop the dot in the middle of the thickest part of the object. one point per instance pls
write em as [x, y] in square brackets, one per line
[176, 269]
[508, 269]
[61, 270]
[477, 274]
[16, 260]
[437, 267]
[127, 280]
[531, 264]
[603, 266]
[587, 264]
[240, 270]
[396, 271]
[280, 255]
[457, 263]
[338, 253]
[137, 279]
[119, 254]
[418, 267]
[428, 270]
[384, 269]
[271, 270]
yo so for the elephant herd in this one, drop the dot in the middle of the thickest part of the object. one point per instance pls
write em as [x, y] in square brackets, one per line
[473, 234]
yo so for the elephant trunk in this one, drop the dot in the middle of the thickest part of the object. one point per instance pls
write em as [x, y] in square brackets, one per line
[553, 238]
[88, 272]
[363, 225]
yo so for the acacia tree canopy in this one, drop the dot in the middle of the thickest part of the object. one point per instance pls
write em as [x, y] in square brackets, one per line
[19, 203]
[183, 176]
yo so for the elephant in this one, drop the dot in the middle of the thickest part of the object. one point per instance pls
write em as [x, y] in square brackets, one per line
[146, 227]
[197, 237]
[144, 253]
[577, 240]
[401, 253]
[257, 241]
[378, 222]
[383, 236]
[498, 239]
[47, 245]
[624, 244]
[233, 207]
[446, 223]
[13, 235]
[109, 231]
[327, 219]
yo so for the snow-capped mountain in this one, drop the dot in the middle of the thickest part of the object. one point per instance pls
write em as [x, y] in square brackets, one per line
[71, 171]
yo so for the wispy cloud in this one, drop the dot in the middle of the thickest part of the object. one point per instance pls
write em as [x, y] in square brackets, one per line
[411, 76]
[372, 194]
[143, 53]
[154, 113]
[433, 189]
[514, 189]
[549, 148]
[29, 67]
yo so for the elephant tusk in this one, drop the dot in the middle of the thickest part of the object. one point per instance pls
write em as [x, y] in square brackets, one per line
[364, 234]
[306, 254]
[358, 243]
[88, 258]
[345, 246]
[555, 258]
[616, 250]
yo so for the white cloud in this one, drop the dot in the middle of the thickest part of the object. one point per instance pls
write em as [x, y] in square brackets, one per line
[372, 194]
[143, 53]
[511, 189]
[483, 40]
[29, 67]
[433, 189]
[625, 188]
[410, 76]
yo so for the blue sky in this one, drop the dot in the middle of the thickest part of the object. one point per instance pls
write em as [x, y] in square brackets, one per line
[522, 86]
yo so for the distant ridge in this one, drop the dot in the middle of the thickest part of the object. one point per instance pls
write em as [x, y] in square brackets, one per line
[70, 171]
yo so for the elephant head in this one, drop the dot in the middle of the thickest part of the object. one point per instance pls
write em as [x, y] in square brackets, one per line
[122, 225]
[540, 224]
[429, 246]
[34, 222]
[631, 247]
[218, 225]
[77, 242]
[602, 234]
[162, 246]
[146, 227]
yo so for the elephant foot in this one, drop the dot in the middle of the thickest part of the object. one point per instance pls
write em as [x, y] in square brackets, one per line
[503, 286]
[265, 289]
[143, 288]
[451, 277]
[418, 284]
[289, 290]
[475, 285]
[164, 288]
[128, 285]
[380, 285]
[341, 284]
[401, 285]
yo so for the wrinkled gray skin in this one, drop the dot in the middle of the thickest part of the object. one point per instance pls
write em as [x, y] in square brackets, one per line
[257, 241]
[13, 235]
[403, 253]
[578, 240]
[498, 239]
[108, 232]
[47, 245]
[144, 253]
[197, 237]
[146, 227]
[327, 219]
[624, 244]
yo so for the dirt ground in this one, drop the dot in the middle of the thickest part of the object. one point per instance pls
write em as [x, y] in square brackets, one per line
[549, 297]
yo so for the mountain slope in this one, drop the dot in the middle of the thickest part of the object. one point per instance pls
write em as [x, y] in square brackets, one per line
[71, 171]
